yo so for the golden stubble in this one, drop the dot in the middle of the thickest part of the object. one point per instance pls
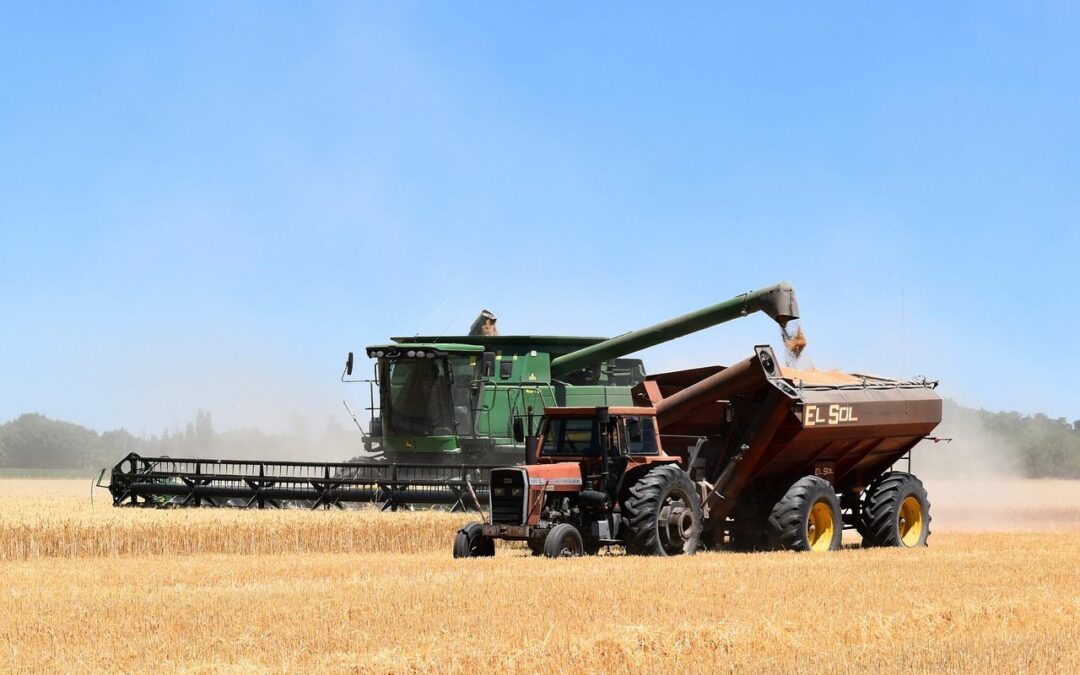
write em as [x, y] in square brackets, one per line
[977, 602]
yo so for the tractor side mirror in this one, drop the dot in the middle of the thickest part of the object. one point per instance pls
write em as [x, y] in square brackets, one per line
[519, 430]
[349, 364]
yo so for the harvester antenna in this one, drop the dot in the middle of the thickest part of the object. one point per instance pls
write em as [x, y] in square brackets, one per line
[432, 315]
[445, 328]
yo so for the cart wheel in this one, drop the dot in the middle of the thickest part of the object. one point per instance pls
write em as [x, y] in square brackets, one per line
[896, 512]
[470, 542]
[807, 517]
[564, 541]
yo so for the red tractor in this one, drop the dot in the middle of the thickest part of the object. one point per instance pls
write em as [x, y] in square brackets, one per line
[600, 477]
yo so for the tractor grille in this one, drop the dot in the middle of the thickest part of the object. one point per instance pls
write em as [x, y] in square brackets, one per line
[508, 495]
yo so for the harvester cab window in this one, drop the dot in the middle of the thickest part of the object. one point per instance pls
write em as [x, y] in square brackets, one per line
[464, 397]
[576, 437]
[416, 397]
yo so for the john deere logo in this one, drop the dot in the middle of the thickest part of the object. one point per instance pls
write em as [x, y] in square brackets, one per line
[409, 444]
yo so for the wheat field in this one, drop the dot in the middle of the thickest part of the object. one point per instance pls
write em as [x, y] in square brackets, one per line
[90, 589]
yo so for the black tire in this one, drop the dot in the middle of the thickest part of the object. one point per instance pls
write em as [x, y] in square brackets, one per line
[896, 512]
[662, 513]
[563, 541]
[470, 542]
[536, 546]
[807, 518]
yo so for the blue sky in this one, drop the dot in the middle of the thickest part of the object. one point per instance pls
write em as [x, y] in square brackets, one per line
[205, 205]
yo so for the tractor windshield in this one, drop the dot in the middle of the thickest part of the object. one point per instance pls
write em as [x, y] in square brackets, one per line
[575, 436]
[415, 397]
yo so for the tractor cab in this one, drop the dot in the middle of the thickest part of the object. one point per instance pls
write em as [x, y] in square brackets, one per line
[593, 435]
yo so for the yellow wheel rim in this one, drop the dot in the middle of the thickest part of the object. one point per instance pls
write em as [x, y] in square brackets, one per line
[820, 527]
[911, 521]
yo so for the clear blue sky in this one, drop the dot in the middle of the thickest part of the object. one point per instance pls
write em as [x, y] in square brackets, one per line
[205, 205]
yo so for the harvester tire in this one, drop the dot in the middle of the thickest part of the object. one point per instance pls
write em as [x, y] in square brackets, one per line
[807, 517]
[663, 513]
[563, 541]
[896, 511]
[470, 542]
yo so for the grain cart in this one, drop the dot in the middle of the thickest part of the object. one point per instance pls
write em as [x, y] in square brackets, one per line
[448, 409]
[746, 457]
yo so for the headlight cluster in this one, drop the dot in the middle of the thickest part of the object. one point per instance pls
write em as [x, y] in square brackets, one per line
[501, 492]
[412, 353]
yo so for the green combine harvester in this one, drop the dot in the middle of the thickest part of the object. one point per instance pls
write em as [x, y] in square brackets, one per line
[445, 410]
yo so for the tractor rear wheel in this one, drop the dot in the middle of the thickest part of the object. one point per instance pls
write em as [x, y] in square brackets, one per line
[807, 517]
[563, 541]
[896, 511]
[663, 513]
[470, 542]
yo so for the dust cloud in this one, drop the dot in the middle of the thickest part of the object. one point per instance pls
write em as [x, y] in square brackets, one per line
[976, 481]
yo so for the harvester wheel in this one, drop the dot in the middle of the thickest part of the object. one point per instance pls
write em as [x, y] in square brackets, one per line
[663, 513]
[807, 517]
[896, 511]
[563, 541]
[470, 542]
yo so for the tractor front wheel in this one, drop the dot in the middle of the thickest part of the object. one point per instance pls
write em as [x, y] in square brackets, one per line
[563, 541]
[470, 542]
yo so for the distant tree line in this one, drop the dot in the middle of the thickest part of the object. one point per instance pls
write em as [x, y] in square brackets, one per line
[33, 441]
[1033, 446]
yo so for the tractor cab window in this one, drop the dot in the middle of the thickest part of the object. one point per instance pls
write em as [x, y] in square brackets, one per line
[576, 437]
[640, 435]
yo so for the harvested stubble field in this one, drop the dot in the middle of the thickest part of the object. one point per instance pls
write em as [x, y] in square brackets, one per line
[108, 589]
